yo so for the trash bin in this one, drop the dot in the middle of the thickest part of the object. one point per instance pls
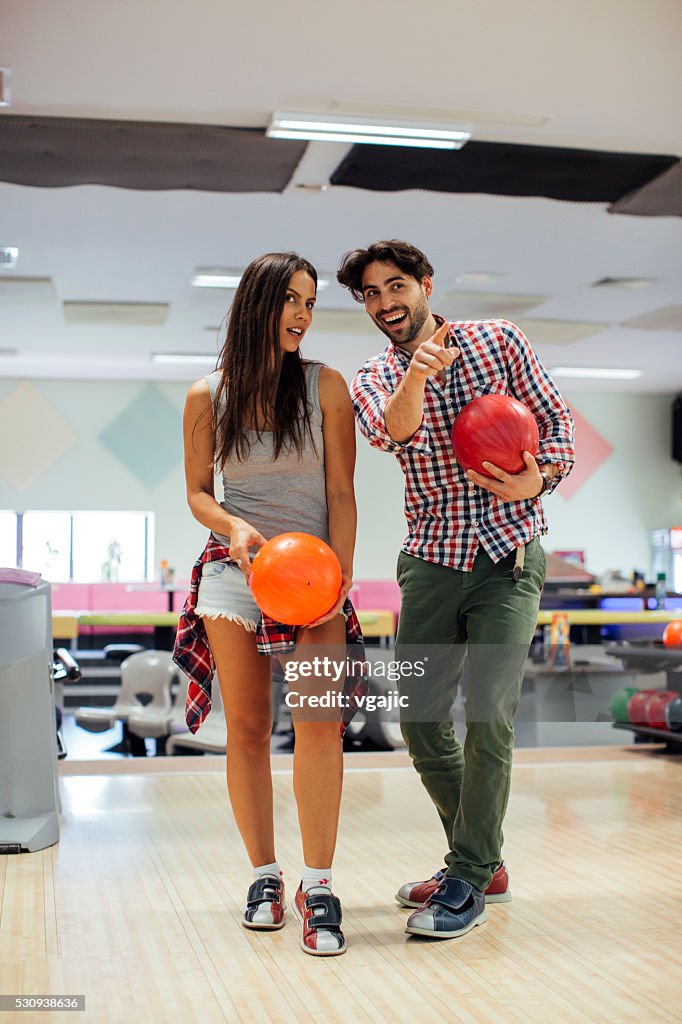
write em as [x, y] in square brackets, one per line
[29, 800]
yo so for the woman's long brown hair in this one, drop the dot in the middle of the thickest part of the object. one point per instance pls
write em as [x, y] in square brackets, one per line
[258, 378]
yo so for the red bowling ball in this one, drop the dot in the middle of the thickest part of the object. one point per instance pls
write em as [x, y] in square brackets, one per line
[497, 429]
[656, 707]
[637, 707]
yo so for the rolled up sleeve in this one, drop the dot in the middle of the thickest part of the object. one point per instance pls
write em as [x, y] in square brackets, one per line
[370, 396]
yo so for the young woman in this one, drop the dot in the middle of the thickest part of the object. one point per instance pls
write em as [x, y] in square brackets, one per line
[281, 431]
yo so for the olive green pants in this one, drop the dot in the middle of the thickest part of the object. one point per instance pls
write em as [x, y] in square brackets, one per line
[486, 619]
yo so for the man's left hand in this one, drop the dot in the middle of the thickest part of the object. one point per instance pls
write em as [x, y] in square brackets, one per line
[508, 486]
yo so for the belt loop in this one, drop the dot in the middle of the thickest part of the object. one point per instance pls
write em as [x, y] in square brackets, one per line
[519, 563]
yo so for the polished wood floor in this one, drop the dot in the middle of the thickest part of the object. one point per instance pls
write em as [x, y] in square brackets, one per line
[138, 905]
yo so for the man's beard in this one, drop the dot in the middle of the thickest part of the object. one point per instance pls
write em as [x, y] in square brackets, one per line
[416, 318]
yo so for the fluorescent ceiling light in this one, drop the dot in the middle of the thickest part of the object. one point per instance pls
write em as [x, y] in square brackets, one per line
[185, 357]
[477, 277]
[378, 132]
[204, 277]
[207, 277]
[594, 372]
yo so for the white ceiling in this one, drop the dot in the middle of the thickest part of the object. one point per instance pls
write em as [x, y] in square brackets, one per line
[602, 76]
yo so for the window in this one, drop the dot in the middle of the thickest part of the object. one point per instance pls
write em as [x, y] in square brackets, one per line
[109, 546]
[8, 539]
[82, 547]
[46, 546]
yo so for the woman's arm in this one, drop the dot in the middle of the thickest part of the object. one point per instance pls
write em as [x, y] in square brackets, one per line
[198, 430]
[338, 431]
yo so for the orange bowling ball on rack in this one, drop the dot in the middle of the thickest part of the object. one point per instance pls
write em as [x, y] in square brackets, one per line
[672, 634]
[295, 578]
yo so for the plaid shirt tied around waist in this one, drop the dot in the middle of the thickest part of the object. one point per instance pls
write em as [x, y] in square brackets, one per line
[449, 517]
[192, 652]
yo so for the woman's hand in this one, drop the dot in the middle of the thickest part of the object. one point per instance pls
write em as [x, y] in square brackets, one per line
[346, 584]
[242, 537]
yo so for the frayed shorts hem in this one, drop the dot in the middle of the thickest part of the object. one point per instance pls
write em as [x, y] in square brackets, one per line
[210, 613]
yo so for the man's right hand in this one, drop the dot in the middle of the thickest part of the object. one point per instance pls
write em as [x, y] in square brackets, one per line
[242, 537]
[432, 356]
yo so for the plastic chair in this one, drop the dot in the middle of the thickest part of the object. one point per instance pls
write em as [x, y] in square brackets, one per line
[212, 735]
[145, 682]
[157, 723]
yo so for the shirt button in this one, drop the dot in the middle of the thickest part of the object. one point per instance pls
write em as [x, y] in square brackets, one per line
[474, 522]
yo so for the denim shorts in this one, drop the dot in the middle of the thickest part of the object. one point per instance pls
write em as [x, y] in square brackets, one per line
[225, 594]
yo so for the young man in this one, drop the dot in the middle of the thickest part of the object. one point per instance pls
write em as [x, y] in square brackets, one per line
[471, 568]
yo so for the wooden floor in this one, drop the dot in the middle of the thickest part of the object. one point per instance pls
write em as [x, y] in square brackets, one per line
[138, 905]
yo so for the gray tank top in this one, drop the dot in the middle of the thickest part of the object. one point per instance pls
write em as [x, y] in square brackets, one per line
[284, 494]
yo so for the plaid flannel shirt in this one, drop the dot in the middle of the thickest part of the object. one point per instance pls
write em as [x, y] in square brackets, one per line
[448, 517]
[193, 655]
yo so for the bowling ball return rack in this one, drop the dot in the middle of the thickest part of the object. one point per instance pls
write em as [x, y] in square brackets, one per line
[646, 656]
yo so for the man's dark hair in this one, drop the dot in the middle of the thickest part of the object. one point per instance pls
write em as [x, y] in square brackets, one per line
[409, 258]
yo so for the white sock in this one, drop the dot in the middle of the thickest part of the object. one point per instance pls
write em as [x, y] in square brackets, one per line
[316, 878]
[267, 869]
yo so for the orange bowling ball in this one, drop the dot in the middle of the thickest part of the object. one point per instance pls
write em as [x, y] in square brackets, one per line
[672, 634]
[295, 578]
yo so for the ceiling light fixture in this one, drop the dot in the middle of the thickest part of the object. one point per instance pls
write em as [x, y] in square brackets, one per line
[9, 254]
[205, 277]
[476, 277]
[185, 357]
[377, 131]
[595, 373]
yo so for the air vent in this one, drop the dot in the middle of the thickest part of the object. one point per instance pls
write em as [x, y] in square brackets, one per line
[467, 305]
[8, 257]
[5, 90]
[667, 318]
[116, 314]
[26, 291]
[633, 284]
[559, 332]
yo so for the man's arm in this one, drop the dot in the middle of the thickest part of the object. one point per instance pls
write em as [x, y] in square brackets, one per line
[404, 412]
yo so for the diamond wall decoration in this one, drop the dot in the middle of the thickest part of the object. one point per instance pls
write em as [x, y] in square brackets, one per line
[146, 437]
[33, 435]
[591, 450]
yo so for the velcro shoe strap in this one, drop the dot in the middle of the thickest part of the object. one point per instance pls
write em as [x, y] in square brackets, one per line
[331, 918]
[453, 894]
[267, 889]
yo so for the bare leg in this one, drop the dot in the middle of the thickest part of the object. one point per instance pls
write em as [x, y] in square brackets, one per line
[318, 757]
[244, 677]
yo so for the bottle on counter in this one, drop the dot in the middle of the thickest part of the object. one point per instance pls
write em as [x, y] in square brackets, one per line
[164, 572]
[661, 591]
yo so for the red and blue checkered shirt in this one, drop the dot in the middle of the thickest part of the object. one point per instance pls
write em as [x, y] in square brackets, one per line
[193, 655]
[448, 517]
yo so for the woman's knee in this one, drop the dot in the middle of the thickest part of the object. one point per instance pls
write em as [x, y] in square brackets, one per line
[317, 733]
[249, 730]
